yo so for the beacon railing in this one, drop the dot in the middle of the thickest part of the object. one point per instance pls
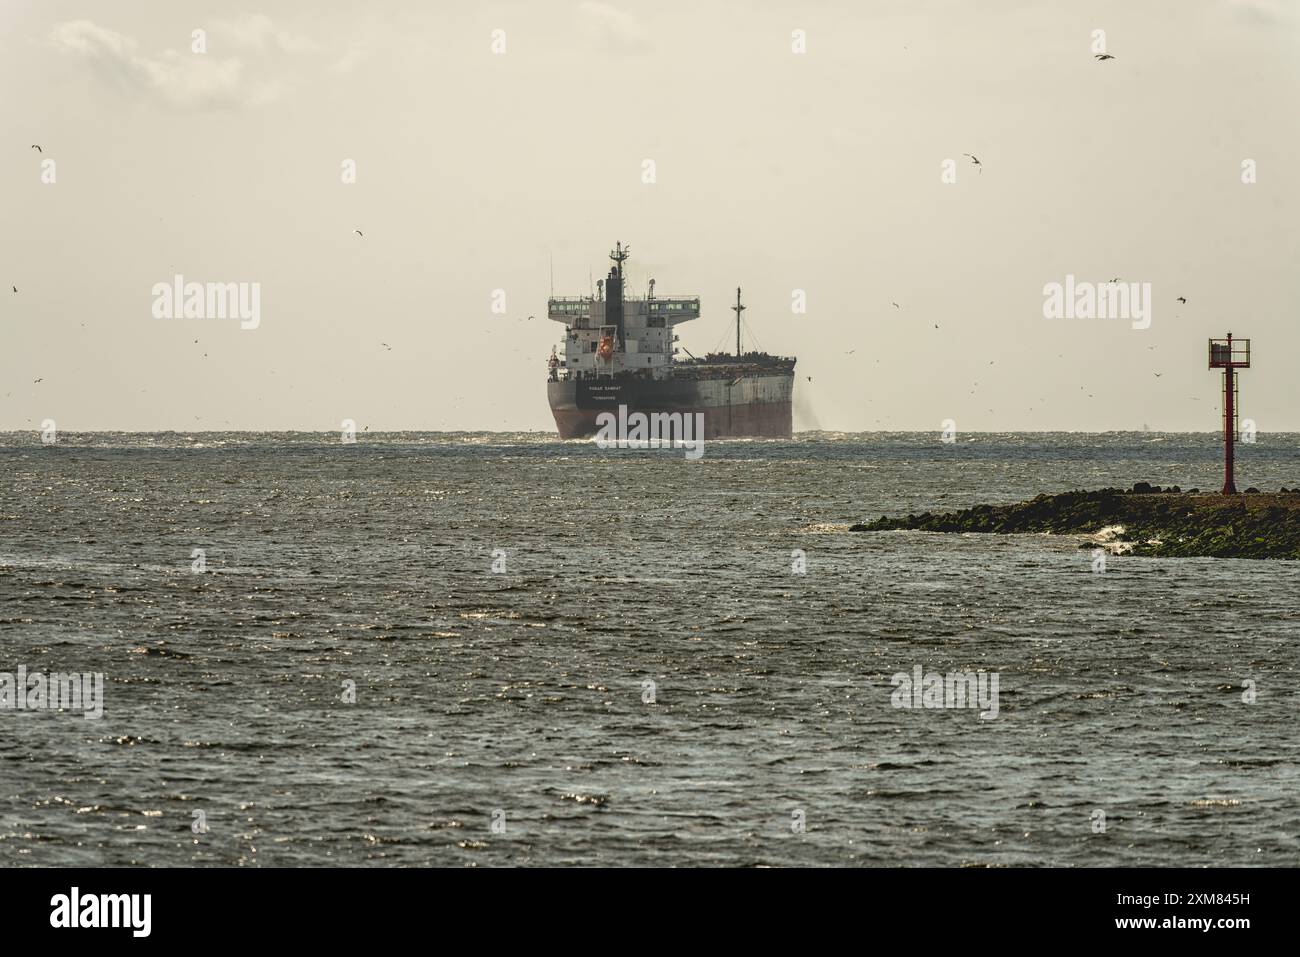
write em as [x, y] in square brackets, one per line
[1229, 353]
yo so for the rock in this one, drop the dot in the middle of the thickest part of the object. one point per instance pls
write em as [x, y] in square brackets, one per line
[1174, 523]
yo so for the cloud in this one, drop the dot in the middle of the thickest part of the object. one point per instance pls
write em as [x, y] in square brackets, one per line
[613, 28]
[179, 80]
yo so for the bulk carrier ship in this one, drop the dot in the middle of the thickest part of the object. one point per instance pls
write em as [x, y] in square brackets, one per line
[620, 351]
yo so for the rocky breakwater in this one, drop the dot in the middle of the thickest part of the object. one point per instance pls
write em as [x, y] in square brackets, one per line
[1144, 520]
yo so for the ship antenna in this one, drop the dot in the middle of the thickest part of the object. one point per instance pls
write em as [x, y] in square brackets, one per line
[619, 254]
[738, 309]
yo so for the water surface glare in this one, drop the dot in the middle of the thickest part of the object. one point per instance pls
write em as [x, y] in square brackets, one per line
[525, 692]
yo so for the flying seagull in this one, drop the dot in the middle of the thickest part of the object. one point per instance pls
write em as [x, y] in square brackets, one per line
[1182, 299]
[975, 159]
[41, 379]
[1104, 56]
[359, 233]
[386, 346]
[896, 305]
[15, 288]
[1116, 279]
[37, 148]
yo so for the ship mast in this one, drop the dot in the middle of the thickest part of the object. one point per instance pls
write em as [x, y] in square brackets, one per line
[614, 293]
[738, 309]
[619, 255]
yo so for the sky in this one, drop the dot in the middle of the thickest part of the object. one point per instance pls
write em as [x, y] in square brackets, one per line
[499, 144]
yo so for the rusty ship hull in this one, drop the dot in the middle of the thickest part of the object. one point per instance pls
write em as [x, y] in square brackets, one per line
[743, 406]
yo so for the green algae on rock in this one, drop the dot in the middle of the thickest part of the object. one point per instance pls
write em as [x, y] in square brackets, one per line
[1145, 520]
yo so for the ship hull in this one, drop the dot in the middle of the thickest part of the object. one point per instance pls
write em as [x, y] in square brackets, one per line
[750, 406]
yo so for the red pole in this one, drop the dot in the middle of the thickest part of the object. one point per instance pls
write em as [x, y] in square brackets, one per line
[1229, 420]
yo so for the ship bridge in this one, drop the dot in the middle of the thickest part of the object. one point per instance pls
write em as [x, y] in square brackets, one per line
[611, 334]
[656, 312]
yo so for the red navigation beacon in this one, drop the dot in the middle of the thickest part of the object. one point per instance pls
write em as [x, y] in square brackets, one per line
[1229, 354]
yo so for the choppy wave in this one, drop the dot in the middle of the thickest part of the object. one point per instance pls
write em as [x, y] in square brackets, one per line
[649, 678]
